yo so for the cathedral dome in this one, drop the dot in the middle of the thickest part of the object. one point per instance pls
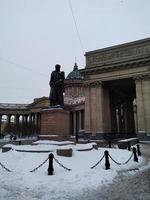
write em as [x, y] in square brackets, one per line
[75, 74]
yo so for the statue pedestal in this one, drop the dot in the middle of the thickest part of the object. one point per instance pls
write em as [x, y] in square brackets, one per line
[54, 124]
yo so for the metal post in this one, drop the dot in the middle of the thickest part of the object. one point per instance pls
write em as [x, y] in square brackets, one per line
[129, 146]
[107, 164]
[138, 150]
[135, 155]
[50, 167]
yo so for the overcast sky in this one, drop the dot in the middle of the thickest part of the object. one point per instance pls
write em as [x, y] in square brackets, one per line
[37, 34]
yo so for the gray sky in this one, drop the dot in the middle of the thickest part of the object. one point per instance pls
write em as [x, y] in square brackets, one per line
[37, 34]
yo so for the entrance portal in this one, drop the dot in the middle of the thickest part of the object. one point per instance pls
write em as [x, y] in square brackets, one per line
[122, 102]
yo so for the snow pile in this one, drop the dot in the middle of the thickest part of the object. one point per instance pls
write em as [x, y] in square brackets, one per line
[51, 146]
[22, 184]
[53, 142]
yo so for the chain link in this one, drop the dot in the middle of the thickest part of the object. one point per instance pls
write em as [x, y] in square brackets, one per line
[128, 159]
[121, 163]
[114, 160]
[5, 167]
[61, 164]
[97, 162]
[39, 165]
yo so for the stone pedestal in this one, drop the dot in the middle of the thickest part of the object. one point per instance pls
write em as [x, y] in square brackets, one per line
[55, 121]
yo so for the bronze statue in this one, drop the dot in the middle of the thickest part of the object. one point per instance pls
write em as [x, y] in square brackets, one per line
[57, 87]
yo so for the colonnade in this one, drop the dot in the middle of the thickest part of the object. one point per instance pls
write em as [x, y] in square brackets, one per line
[20, 124]
[76, 121]
[123, 117]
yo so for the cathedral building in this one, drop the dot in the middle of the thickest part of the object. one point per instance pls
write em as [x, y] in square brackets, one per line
[111, 95]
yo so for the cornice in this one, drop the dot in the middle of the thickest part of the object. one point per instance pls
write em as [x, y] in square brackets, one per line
[114, 67]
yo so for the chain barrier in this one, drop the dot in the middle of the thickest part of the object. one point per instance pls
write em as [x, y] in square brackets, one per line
[61, 164]
[121, 163]
[128, 159]
[5, 167]
[113, 146]
[71, 169]
[39, 165]
[97, 162]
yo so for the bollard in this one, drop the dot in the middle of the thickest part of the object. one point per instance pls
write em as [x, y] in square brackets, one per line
[135, 155]
[19, 142]
[50, 167]
[107, 164]
[109, 144]
[77, 137]
[138, 150]
[129, 146]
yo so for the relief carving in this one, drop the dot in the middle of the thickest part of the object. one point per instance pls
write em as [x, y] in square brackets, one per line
[113, 55]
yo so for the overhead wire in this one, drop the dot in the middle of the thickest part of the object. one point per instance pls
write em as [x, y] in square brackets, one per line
[76, 27]
[20, 88]
[21, 66]
[34, 71]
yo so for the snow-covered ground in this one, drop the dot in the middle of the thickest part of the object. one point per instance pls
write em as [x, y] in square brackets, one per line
[21, 184]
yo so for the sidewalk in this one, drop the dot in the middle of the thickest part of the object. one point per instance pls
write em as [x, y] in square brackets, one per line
[127, 186]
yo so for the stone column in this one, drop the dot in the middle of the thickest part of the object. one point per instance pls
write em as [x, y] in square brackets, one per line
[135, 118]
[23, 125]
[125, 116]
[17, 124]
[0, 123]
[143, 103]
[39, 122]
[97, 108]
[36, 123]
[33, 123]
[30, 124]
[119, 118]
[80, 120]
[77, 122]
[8, 123]
[31, 120]
[131, 117]
[20, 126]
[74, 123]
[113, 118]
[105, 95]
[87, 118]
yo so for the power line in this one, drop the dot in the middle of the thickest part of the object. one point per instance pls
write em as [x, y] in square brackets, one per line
[76, 27]
[21, 66]
[20, 88]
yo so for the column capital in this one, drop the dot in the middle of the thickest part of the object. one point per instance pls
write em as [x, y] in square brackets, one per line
[142, 77]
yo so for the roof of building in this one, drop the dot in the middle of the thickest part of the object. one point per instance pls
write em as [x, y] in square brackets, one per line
[75, 74]
[12, 106]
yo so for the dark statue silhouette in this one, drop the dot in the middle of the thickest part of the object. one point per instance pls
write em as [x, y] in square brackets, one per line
[57, 87]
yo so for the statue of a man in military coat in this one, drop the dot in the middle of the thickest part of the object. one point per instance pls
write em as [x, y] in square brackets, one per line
[57, 87]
